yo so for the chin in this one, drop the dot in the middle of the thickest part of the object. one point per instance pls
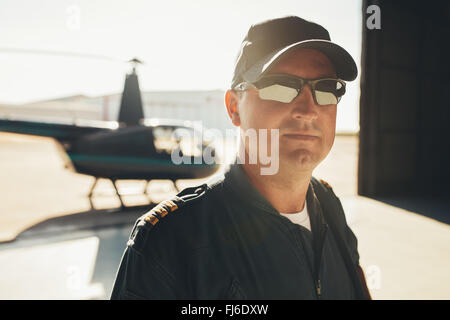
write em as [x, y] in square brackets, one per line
[302, 160]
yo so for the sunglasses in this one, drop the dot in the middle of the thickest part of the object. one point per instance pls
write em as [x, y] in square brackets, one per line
[285, 88]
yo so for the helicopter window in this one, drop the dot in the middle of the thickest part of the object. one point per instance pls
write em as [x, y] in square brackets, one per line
[168, 139]
[164, 139]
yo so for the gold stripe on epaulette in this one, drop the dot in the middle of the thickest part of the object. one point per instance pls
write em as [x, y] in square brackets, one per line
[326, 184]
[171, 205]
[159, 209]
[151, 218]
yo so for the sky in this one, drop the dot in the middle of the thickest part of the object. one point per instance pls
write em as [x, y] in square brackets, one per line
[185, 45]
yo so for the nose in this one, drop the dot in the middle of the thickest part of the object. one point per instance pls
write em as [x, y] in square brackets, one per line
[304, 106]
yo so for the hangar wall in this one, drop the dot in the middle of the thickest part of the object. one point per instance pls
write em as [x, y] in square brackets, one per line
[405, 100]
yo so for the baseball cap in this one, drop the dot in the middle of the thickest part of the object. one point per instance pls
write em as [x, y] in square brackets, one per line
[268, 41]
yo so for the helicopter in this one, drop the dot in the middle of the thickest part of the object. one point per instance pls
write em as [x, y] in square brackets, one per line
[133, 147]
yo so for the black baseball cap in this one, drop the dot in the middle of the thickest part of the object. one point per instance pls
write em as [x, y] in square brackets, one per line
[268, 41]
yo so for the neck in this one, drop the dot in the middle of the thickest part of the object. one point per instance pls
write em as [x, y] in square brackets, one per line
[285, 191]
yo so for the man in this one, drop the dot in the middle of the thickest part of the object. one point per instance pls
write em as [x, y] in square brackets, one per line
[260, 236]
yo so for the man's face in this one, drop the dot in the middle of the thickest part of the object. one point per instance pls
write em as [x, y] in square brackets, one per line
[306, 130]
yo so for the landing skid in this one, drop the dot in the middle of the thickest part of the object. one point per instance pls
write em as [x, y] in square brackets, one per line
[119, 195]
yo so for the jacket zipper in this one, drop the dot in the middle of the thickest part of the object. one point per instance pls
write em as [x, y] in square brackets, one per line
[318, 259]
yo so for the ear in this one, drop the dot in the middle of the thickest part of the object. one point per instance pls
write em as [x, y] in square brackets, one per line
[231, 102]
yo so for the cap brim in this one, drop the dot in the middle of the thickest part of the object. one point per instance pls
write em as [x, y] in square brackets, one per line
[342, 61]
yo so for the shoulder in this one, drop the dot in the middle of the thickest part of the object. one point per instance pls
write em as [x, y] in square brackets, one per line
[326, 184]
[322, 185]
[182, 201]
[331, 205]
[172, 220]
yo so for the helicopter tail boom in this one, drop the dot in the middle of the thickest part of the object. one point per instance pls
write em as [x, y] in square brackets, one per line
[61, 132]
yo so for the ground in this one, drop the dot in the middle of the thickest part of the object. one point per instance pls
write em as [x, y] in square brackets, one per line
[405, 255]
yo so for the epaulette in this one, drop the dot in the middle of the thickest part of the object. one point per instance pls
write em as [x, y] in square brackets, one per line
[188, 195]
[148, 220]
[326, 184]
[160, 211]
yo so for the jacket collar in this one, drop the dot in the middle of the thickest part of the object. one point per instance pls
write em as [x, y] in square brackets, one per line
[237, 180]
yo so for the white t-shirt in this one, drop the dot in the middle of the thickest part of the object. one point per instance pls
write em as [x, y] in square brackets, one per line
[301, 218]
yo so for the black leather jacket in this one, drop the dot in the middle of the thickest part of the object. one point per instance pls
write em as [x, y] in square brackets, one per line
[226, 241]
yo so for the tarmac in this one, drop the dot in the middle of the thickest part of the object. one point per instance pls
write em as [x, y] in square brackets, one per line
[55, 245]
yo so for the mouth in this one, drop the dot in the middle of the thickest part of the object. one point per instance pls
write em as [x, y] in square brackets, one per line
[301, 136]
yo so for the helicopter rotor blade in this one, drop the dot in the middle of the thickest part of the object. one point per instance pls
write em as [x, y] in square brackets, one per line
[61, 53]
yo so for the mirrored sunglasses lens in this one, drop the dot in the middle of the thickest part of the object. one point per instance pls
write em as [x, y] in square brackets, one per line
[329, 91]
[332, 86]
[324, 98]
[278, 92]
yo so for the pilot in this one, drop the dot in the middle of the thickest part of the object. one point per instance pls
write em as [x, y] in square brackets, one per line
[254, 234]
